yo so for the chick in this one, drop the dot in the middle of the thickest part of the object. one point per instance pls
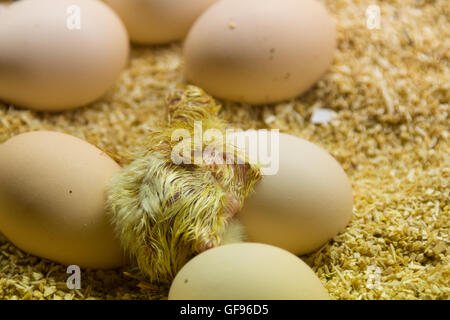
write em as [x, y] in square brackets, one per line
[167, 206]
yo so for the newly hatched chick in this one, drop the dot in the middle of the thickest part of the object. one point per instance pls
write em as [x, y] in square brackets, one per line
[167, 206]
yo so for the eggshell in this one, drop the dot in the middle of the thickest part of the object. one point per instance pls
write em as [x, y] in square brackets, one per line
[259, 51]
[246, 271]
[304, 204]
[3, 7]
[47, 64]
[52, 199]
[158, 21]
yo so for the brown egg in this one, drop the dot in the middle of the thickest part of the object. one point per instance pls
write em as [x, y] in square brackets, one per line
[246, 271]
[304, 203]
[158, 21]
[259, 51]
[52, 199]
[59, 54]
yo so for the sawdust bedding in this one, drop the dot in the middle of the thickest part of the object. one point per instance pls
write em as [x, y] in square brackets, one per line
[390, 89]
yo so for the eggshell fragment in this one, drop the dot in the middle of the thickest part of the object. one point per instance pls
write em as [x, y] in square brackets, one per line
[246, 271]
[52, 199]
[259, 52]
[304, 204]
[158, 21]
[59, 54]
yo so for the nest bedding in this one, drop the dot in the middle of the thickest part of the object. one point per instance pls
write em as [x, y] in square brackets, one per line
[390, 90]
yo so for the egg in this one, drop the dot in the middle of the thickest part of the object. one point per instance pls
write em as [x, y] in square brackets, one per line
[3, 7]
[52, 199]
[259, 51]
[304, 198]
[246, 271]
[59, 54]
[158, 21]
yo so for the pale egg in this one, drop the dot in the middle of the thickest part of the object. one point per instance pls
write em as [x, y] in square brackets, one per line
[259, 51]
[52, 199]
[59, 54]
[304, 199]
[3, 7]
[158, 21]
[246, 271]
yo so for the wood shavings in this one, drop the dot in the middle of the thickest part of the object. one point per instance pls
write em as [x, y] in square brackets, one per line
[390, 134]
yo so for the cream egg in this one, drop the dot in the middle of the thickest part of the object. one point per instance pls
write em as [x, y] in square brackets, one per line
[3, 7]
[304, 199]
[52, 199]
[158, 21]
[246, 271]
[259, 51]
[59, 54]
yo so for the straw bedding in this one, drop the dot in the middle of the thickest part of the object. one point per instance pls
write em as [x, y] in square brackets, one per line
[390, 89]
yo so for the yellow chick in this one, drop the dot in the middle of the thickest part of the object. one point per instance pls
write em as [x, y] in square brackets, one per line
[167, 206]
